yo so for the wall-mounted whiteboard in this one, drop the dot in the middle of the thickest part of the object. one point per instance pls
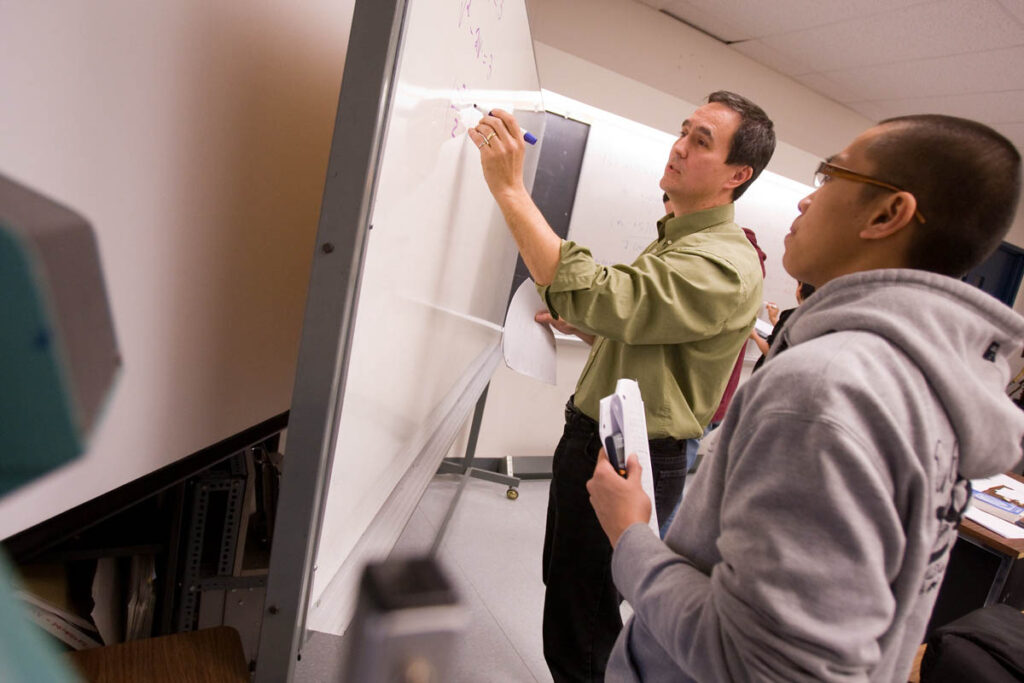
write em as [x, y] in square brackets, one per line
[618, 200]
[410, 282]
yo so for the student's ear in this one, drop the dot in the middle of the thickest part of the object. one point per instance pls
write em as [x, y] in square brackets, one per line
[739, 176]
[892, 213]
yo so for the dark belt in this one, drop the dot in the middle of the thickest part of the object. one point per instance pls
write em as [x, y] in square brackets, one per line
[575, 418]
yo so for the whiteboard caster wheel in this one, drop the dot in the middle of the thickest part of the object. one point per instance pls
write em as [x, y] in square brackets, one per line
[512, 493]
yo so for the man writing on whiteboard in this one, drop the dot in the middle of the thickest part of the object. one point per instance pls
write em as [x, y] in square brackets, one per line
[674, 321]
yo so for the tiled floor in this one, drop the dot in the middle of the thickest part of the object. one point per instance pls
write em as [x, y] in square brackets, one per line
[491, 551]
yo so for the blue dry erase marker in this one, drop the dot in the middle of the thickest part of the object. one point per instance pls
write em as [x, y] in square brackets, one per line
[527, 135]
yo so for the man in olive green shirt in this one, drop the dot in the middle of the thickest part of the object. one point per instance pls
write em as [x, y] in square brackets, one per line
[674, 321]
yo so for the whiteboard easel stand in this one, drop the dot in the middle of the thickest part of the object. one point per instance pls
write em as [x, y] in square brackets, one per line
[356, 150]
[466, 468]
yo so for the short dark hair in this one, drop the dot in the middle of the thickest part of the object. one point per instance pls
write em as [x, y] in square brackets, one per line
[966, 179]
[754, 141]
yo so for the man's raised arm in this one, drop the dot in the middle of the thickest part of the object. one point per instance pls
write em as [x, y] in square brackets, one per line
[501, 155]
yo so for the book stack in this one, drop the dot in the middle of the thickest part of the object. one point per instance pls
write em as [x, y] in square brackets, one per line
[1004, 501]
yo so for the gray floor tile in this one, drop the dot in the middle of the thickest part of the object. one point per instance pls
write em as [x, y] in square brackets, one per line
[491, 552]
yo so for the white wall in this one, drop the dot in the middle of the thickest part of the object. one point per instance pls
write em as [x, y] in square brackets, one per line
[194, 136]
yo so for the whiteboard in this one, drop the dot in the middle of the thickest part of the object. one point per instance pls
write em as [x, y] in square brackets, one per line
[431, 264]
[618, 200]
[439, 260]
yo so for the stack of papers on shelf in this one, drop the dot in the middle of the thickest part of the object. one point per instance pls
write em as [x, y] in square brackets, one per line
[998, 504]
[108, 600]
[141, 598]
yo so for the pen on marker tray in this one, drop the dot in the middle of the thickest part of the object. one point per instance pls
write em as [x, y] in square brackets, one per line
[527, 135]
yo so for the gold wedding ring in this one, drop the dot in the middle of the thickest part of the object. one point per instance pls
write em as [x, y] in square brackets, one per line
[489, 136]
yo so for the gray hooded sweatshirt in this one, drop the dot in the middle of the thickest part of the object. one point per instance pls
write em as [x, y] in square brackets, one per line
[812, 541]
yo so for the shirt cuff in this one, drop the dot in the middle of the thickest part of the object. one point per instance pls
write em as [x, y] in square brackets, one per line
[576, 270]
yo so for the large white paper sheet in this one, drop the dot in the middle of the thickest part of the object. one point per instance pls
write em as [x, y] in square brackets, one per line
[528, 346]
[993, 523]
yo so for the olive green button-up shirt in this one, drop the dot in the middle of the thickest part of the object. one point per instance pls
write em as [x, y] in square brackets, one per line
[674, 320]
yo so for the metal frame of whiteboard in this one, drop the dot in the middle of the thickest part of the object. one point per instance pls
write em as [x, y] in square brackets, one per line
[370, 111]
[356, 149]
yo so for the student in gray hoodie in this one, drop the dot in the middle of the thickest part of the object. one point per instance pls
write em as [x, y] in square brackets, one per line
[811, 544]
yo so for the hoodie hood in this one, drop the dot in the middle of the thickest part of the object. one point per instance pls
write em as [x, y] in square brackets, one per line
[961, 338]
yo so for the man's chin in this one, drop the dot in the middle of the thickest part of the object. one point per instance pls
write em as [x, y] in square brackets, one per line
[790, 268]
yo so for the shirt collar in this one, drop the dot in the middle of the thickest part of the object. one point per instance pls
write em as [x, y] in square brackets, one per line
[676, 227]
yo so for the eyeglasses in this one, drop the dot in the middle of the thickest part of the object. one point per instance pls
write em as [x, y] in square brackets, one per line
[826, 171]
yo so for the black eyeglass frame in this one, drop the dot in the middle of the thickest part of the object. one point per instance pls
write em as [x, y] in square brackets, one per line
[826, 169]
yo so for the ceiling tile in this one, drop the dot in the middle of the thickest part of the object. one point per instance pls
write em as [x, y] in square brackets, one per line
[884, 58]
[1014, 7]
[758, 18]
[720, 25]
[869, 109]
[770, 57]
[836, 90]
[992, 71]
[934, 29]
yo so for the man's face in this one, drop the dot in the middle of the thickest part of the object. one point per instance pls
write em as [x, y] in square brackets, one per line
[696, 170]
[823, 242]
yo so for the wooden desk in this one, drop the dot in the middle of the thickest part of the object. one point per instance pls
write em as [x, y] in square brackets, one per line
[1007, 550]
[212, 655]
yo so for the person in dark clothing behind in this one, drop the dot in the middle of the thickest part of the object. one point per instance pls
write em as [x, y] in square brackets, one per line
[803, 290]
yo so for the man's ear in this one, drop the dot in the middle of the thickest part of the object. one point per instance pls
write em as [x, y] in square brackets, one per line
[892, 213]
[740, 175]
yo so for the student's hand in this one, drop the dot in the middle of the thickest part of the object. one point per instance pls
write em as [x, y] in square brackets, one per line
[762, 343]
[619, 503]
[501, 151]
[545, 318]
[773, 312]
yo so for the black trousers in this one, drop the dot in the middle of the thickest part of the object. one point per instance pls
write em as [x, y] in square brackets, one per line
[581, 603]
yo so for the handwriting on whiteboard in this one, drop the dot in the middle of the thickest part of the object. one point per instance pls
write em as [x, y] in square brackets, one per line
[471, 24]
[475, 29]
